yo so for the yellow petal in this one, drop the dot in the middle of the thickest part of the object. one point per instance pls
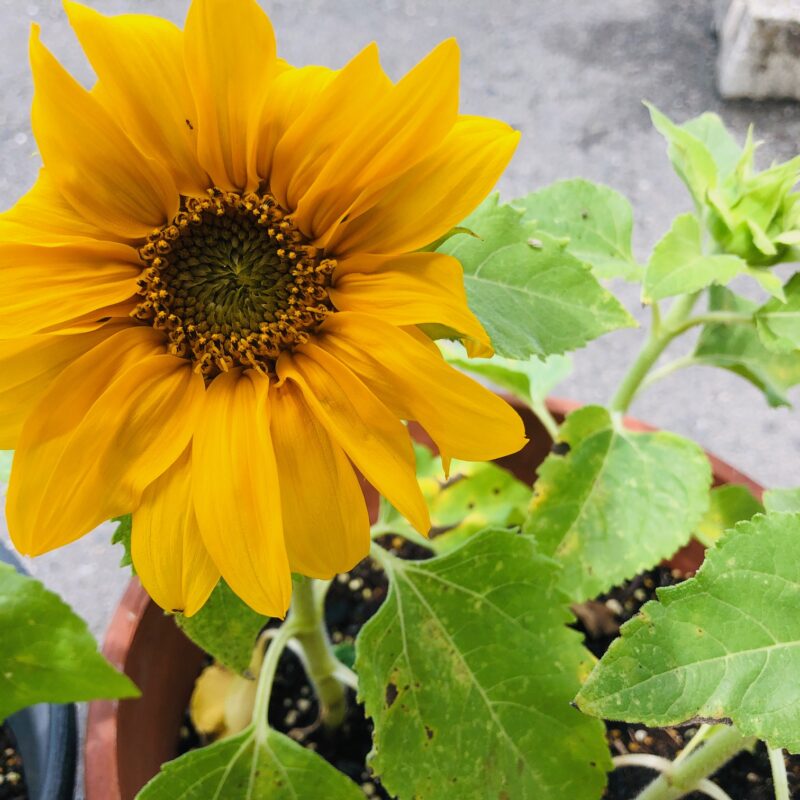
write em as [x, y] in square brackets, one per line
[304, 149]
[400, 130]
[375, 440]
[107, 427]
[412, 289]
[465, 420]
[43, 216]
[230, 59]
[236, 492]
[138, 60]
[97, 318]
[325, 520]
[47, 285]
[434, 195]
[166, 547]
[27, 368]
[95, 165]
[289, 95]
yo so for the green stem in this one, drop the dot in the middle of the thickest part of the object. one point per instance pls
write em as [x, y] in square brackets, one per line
[547, 419]
[307, 619]
[661, 334]
[683, 778]
[779, 777]
[276, 645]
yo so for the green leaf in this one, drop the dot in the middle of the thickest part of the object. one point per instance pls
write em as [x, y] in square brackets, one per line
[530, 381]
[778, 323]
[690, 156]
[466, 671]
[679, 266]
[723, 645]
[711, 131]
[782, 500]
[530, 294]
[597, 220]
[243, 768]
[122, 535]
[47, 654]
[616, 502]
[226, 627]
[738, 348]
[729, 504]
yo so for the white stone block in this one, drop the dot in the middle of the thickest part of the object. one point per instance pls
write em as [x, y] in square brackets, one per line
[759, 48]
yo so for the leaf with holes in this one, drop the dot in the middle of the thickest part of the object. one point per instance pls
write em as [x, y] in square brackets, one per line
[597, 220]
[616, 502]
[244, 768]
[48, 654]
[226, 627]
[466, 671]
[530, 294]
[722, 645]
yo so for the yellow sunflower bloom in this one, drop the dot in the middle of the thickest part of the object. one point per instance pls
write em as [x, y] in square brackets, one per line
[211, 300]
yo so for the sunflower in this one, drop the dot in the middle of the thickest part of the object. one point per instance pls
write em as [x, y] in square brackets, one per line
[215, 297]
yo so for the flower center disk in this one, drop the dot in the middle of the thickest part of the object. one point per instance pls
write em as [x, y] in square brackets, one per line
[233, 282]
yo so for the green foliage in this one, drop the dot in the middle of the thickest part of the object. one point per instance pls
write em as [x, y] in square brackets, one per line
[616, 502]
[729, 504]
[243, 767]
[739, 348]
[725, 644]
[226, 627]
[467, 671]
[48, 654]
[597, 221]
[530, 294]
[778, 323]
[782, 500]
[122, 535]
[678, 265]
[754, 215]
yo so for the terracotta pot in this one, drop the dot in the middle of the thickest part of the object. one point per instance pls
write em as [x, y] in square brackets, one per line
[128, 740]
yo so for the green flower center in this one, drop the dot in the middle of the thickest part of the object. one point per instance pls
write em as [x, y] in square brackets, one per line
[233, 282]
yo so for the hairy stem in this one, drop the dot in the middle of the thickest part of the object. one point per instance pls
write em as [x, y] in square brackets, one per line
[308, 622]
[546, 418]
[661, 334]
[685, 776]
[275, 644]
[779, 777]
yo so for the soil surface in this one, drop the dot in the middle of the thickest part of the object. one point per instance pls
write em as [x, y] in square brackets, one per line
[12, 779]
[355, 596]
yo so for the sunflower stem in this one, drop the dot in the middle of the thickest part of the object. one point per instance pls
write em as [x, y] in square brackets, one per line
[275, 645]
[308, 622]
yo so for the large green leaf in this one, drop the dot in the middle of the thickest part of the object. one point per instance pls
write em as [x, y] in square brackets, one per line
[739, 349]
[616, 502]
[597, 220]
[778, 323]
[530, 294]
[466, 671]
[678, 265]
[730, 504]
[47, 654]
[245, 768]
[226, 627]
[723, 645]
[716, 138]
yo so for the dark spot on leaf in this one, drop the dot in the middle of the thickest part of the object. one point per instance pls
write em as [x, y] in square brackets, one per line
[496, 490]
[560, 448]
[189, 124]
[428, 732]
[391, 695]
[584, 215]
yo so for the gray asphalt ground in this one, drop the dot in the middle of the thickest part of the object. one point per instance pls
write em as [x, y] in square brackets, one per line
[571, 74]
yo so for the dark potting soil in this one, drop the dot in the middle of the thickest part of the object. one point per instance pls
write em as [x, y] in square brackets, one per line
[746, 777]
[12, 779]
[355, 596]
